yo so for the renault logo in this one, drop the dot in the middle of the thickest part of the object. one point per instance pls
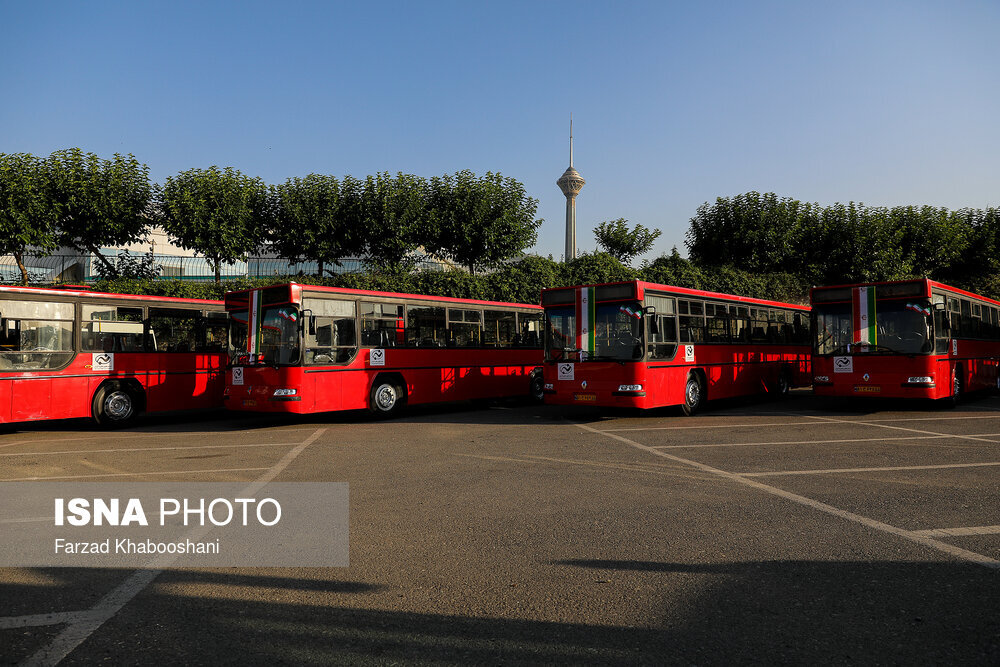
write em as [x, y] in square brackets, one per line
[584, 384]
[867, 377]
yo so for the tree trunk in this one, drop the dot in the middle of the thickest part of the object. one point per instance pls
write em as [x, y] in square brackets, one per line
[218, 270]
[19, 258]
[112, 269]
[320, 274]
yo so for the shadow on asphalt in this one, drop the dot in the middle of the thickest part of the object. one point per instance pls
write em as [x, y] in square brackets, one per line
[792, 612]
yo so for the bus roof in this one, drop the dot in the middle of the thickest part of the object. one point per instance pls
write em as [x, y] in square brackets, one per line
[347, 291]
[76, 291]
[926, 285]
[641, 287]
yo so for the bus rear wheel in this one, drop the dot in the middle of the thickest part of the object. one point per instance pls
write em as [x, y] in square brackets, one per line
[537, 388]
[114, 406]
[386, 398]
[694, 395]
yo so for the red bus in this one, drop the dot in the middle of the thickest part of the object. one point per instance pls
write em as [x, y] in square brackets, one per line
[904, 339]
[68, 353]
[642, 345]
[303, 348]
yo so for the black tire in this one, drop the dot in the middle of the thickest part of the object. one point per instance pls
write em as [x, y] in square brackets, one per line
[386, 398]
[537, 388]
[694, 395]
[115, 406]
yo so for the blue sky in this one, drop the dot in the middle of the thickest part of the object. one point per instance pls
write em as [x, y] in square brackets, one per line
[674, 103]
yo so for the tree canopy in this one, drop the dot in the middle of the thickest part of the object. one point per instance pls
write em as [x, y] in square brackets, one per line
[318, 218]
[28, 212]
[615, 238]
[479, 222]
[102, 203]
[219, 213]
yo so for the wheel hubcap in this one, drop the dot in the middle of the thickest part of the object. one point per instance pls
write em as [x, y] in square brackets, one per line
[693, 394]
[385, 397]
[118, 405]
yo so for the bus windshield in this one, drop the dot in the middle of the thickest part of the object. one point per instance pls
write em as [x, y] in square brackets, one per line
[903, 326]
[617, 333]
[279, 337]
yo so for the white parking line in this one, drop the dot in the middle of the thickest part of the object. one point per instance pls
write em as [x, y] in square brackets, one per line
[799, 423]
[960, 532]
[909, 430]
[88, 623]
[910, 535]
[796, 442]
[147, 449]
[832, 471]
[129, 474]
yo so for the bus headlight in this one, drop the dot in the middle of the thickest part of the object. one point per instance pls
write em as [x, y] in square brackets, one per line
[549, 386]
[630, 387]
[285, 392]
[922, 379]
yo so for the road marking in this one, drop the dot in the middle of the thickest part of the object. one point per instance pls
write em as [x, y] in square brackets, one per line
[799, 423]
[953, 551]
[40, 620]
[129, 474]
[88, 623]
[976, 438]
[960, 532]
[798, 442]
[885, 469]
[148, 449]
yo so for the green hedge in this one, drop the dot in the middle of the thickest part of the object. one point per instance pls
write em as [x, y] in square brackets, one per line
[517, 282]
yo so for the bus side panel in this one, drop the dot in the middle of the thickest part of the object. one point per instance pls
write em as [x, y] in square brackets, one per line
[326, 389]
[5, 405]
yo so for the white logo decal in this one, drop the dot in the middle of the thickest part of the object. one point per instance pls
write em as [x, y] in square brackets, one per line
[689, 353]
[377, 357]
[954, 346]
[103, 361]
[566, 371]
[237, 375]
[843, 364]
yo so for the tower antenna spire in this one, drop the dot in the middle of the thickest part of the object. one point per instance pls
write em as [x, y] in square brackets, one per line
[570, 138]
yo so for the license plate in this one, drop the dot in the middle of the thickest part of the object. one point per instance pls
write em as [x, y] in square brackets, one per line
[249, 403]
[867, 389]
[584, 397]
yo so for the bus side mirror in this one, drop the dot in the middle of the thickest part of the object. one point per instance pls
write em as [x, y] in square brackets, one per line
[654, 326]
[939, 306]
[649, 310]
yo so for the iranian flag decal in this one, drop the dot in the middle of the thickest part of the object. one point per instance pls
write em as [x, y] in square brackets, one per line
[864, 315]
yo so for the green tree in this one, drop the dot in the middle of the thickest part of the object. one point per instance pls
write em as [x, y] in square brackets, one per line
[102, 203]
[28, 214]
[219, 213]
[394, 217]
[480, 222]
[317, 220]
[615, 238]
[598, 267]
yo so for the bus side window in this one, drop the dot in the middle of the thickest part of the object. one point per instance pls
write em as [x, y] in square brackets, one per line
[175, 329]
[464, 327]
[531, 331]
[499, 328]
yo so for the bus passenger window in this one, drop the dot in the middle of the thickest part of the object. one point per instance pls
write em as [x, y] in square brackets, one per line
[174, 329]
[330, 334]
[531, 331]
[426, 326]
[465, 327]
[35, 335]
[111, 329]
[499, 328]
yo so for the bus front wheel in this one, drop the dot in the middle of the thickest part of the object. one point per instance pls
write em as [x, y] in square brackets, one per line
[386, 398]
[114, 406]
[694, 395]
